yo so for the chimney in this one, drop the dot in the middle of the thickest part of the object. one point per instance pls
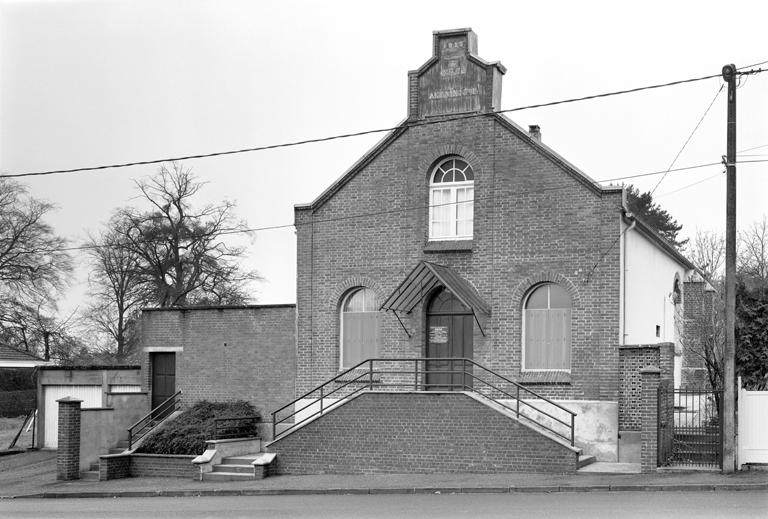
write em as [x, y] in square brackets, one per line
[535, 132]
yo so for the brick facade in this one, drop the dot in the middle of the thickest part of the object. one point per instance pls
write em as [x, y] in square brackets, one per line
[699, 317]
[417, 433]
[68, 453]
[535, 219]
[226, 353]
[649, 417]
[632, 360]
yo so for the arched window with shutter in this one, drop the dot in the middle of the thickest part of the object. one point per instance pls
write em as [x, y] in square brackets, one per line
[359, 327]
[547, 329]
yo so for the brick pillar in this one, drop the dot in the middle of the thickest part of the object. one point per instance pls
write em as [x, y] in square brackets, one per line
[68, 455]
[649, 382]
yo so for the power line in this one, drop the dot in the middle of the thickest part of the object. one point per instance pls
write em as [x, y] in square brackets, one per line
[383, 212]
[690, 185]
[688, 139]
[754, 148]
[356, 134]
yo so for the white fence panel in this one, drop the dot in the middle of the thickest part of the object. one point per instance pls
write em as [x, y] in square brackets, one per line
[753, 424]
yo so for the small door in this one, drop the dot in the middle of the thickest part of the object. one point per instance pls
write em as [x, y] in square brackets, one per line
[163, 377]
[450, 327]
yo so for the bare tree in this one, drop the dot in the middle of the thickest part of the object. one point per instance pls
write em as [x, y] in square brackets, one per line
[753, 257]
[182, 256]
[34, 268]
[117, 288]
[708, 253]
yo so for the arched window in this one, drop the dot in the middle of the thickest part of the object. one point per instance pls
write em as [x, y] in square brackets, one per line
[451, 200]
[359, 327]
[547, 324]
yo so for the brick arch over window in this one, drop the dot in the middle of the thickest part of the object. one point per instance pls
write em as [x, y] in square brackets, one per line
[351, 282]
[428, 163]
[526, 285]
[358, 332]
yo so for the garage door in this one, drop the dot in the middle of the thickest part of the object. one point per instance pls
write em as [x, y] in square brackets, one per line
[90, 395]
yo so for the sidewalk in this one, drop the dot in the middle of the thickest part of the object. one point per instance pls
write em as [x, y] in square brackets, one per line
[33, 475]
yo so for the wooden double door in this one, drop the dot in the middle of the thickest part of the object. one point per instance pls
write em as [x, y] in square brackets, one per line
[450, 328]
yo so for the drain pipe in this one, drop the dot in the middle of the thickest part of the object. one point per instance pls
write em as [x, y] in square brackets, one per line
[624, 269]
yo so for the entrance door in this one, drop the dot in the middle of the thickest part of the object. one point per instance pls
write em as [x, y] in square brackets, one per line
[449, 335]
[163, 377]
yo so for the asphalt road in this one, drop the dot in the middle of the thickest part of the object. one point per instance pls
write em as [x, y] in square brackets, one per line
[676, 505]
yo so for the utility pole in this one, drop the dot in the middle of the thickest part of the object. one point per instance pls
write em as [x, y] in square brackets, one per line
[729, 355]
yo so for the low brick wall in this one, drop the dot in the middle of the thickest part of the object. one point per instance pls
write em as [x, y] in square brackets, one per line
[417, 433]
[163, 465]
[119, 466]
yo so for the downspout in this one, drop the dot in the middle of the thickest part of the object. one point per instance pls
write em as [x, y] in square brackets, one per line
[624, 278]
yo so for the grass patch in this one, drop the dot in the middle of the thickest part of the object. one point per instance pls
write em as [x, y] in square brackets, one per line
[187, 433]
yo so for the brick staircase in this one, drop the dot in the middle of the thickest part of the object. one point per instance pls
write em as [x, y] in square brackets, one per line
[92, 474]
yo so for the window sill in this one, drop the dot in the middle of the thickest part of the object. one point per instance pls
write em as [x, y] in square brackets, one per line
[449, 246]
[545, 377]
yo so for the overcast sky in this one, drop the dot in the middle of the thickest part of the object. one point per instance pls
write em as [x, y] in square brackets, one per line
[100, 82]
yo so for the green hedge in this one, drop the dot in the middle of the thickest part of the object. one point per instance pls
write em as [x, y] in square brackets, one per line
[187, 433]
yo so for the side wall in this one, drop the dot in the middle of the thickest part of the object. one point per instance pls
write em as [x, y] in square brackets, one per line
[226, 353]
[417, 433]
[650, 276]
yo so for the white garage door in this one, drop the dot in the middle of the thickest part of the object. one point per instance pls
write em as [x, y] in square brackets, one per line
[90, 395]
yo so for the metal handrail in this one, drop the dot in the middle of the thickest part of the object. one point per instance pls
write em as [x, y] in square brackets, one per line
[147, 423]
[323, 391]
[234, 426]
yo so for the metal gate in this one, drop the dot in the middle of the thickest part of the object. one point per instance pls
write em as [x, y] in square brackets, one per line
[690, 429]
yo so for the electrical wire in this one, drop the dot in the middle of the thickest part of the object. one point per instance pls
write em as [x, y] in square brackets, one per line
[379, 213]
[690, 136]
[357, 134]
[690, 185]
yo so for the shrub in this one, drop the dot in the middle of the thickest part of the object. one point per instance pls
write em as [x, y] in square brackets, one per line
[187, 433]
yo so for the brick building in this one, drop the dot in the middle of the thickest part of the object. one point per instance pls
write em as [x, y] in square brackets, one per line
[460, 234]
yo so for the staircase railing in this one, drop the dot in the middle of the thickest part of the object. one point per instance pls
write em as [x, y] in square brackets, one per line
[426, 374]
[147, 423]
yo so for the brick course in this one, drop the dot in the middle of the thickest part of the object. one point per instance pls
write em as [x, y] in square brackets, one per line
[632, 359]
[417, 433]
[147, 465]
[229, 353]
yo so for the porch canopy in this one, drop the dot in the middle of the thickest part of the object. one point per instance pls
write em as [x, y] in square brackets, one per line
[424, 278]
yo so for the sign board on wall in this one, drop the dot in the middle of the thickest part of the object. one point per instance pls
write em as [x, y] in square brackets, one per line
[438, 334]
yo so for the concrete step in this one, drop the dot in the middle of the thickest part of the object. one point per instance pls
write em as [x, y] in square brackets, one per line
[227, 476]
[239, 460]
[90, 475]
[604, 467]
[584, 461]
[240, 469]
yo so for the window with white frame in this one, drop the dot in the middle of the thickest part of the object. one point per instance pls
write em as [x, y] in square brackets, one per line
[359, 327]
[451, 200]
[547, 329]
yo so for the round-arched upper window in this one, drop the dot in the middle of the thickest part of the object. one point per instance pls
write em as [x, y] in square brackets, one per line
[451, 200]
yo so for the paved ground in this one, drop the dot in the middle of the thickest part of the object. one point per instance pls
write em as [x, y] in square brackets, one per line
[34, 474]
[677, 505]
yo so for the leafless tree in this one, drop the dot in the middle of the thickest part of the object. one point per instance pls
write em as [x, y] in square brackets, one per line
[707, 251]
[34, 267]
[753, 250]
[182, 255]
[117, 290]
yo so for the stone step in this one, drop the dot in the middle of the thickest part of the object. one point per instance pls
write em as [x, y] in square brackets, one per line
[604, 467]
[90, 475]
[239, 460]
[584, 461]
[227, 476]
[240, 469]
